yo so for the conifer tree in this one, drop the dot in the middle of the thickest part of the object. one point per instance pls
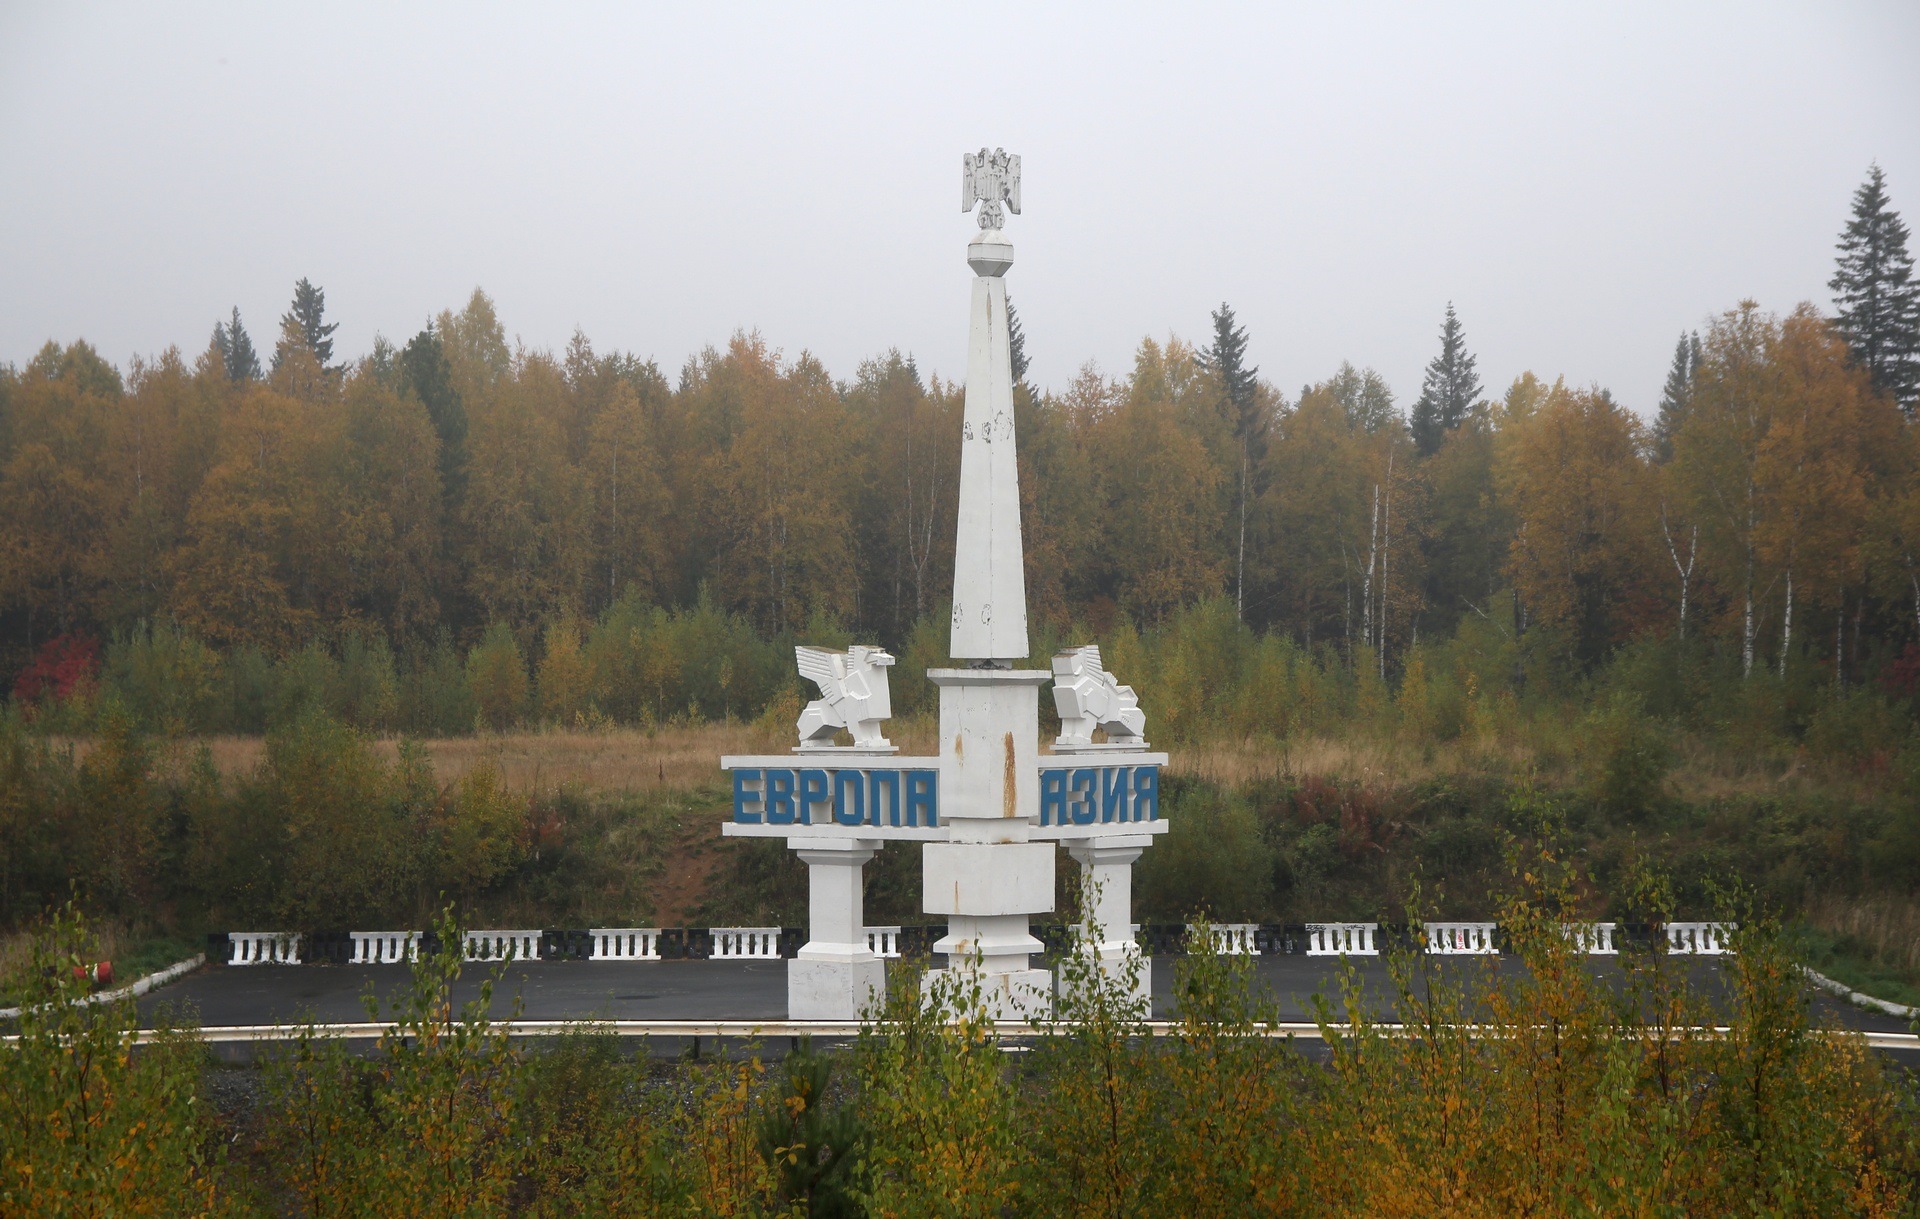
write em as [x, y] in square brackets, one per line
[1016, 343]
[307, 317]
[236, 349]
[1875, 295]
[426, 374]
[1450, 389]
[1674, 398]
[1226, 358]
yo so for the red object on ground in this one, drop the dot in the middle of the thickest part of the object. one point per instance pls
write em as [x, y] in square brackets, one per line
[61, 664]
[100, 973]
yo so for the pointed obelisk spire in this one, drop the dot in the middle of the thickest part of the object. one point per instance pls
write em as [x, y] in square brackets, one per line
[989, 579]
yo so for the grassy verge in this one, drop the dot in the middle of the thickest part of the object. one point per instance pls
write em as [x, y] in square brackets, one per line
[320, 827]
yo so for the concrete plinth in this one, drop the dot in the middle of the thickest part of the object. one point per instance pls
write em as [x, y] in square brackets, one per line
[1025, 994]
[834, 990]
[988, 878]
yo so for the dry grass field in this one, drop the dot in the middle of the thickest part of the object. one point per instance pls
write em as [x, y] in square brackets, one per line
[628, 759]
[613, 760]
[687, 756]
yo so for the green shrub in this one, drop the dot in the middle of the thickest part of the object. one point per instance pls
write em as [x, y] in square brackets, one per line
[366, 690]
[425, 1125]
[562, 687]
[650, 665]
[92, 827]
[939, 1109]
[1859, 729]
[1213, 858]
[1625, 757]
[497, 673]
[595, 1132]
[925, 648]
[338, 832]
[483, 833]
[811, 1139]
[306, 682]
[250, 692]
[170, 681]
[435, 698]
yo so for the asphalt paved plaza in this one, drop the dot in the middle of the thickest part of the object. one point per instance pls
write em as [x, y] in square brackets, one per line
[222, 995]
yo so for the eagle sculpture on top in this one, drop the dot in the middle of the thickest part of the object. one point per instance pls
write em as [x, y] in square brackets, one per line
[1088, 697]
[853, 695]
[993, 180]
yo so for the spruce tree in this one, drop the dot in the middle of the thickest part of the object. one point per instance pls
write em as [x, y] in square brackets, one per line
[237, 356]
[1875, 295]
[426, 374]
[1226, 359]
[1449, 391]
[1016, 343]
[1675, 397]
[307, 316]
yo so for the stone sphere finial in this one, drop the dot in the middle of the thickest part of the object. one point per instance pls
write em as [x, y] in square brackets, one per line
[990, 254]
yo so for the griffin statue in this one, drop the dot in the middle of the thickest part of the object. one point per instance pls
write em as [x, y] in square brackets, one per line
[853, 695]
[1089, 697]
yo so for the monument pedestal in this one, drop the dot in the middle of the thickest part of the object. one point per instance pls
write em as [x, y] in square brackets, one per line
[988, 877]
[987, 890]
[843, 989]
[835, 976]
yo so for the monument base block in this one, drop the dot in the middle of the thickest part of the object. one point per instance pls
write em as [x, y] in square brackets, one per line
[1022, 994]
[834, 990]
[1120, 968]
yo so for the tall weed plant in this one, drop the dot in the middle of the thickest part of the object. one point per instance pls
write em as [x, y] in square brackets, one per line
[90, 1124]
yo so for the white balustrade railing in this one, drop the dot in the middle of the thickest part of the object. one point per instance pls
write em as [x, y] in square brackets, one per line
[1461, 939]
[264, 947]
[501, 945]
[746, 943]
[1700, 939]
[1231, 939]
[763, 943]
[384, 947]
[1343, 939]
[623, 944]
[1594, 939]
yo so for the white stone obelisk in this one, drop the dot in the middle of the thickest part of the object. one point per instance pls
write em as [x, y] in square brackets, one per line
[989, 574]
[988, 877]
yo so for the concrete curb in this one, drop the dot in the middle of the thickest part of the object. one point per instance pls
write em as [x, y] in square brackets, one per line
[134, 989]
[1841, 990]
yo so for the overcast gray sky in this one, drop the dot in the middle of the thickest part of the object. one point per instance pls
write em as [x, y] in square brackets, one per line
[1581, 183]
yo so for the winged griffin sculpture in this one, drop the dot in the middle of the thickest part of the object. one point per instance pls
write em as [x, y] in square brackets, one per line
[1088, 697]
[853, 695]
[992, 179]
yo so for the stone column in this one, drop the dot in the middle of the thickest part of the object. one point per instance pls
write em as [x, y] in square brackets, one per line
[1106, 885]
[835, 976]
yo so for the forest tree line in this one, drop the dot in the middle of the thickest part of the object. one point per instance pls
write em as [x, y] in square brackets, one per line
[456, 488]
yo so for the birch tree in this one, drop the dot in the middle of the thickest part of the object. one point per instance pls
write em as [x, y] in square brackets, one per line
[1717, 459]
